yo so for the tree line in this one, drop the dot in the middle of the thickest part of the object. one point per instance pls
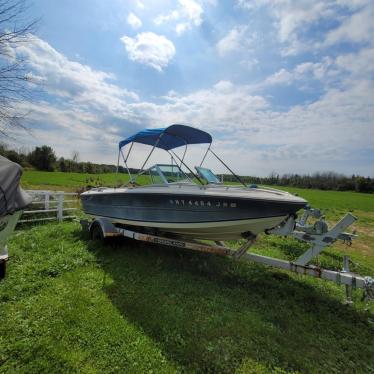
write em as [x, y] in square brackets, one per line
[44, 158]
[320, 180]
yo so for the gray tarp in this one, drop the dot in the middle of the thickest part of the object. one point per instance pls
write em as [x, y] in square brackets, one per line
[12, 197]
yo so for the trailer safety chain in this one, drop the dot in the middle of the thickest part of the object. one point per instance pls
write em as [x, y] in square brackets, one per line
[368, 289]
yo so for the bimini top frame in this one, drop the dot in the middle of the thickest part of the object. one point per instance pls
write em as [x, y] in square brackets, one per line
[169, 138]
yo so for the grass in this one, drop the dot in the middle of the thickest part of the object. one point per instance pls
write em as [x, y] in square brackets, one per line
[73, 305]
[335, 200]
[33, 179]
[56, 316]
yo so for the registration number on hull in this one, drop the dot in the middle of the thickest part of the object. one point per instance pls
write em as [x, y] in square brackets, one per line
[202, 203]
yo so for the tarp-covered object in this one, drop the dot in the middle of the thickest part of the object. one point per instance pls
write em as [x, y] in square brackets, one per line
[170, 137]
[12, 197]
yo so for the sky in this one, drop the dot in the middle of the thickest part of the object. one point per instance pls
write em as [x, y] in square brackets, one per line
[283, 86]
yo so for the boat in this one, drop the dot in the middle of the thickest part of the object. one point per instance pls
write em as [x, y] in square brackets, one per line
[184, 202]
[12, 202]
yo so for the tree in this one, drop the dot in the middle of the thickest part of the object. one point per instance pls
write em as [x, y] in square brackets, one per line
[363, 184]
[43, 158]
[14, 156]
[62, 165]
[15, 30]
[75, 156]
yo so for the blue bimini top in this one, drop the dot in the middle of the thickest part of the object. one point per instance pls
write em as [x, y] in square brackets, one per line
[170, 137]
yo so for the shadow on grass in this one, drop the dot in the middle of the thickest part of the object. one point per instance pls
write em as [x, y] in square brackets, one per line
[211, 314]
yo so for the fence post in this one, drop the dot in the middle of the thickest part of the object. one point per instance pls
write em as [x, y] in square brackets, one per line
[46, 200]
[60, 206]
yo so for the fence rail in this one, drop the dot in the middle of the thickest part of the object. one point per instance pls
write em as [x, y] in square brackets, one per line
[44, 203]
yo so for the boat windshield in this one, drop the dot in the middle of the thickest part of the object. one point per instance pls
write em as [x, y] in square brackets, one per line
[207, 175]
[161, 174]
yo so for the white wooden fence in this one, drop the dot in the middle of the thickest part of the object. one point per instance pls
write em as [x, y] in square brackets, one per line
[50, 206]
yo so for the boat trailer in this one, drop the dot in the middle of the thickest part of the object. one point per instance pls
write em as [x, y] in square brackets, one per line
[317, 235]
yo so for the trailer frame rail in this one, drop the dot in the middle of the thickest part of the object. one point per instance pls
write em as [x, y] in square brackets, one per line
[290, 228]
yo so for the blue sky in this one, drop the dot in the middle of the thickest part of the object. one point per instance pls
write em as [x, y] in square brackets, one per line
[283, 85]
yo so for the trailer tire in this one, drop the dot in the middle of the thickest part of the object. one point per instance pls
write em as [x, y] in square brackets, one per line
[96, 232]
[2, 269]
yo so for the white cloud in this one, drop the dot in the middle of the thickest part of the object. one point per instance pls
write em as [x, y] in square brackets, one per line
[182, 27]
[70, 79]
[149, 49]
[349, 68]
[140, 4]
[249, 63]
[233, 41]
[79, 102]
[134, 21]
[162, 18]
[66, 128]
[291, 15]
[357, 28]
[192, 10]
[224, 86]
[221, 107]
[189, 13]
[280, 77]
[360, 64]
[294, 17]
[304, 71]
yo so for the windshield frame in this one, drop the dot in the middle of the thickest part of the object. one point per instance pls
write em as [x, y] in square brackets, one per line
[158, 169]
[202, 172]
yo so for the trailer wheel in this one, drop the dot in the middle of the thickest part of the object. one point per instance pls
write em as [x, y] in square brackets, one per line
[2, 269]
[96, 232]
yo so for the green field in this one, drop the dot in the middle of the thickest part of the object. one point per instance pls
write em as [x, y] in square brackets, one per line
[57, 180]
[73, 305]
[332, 200]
